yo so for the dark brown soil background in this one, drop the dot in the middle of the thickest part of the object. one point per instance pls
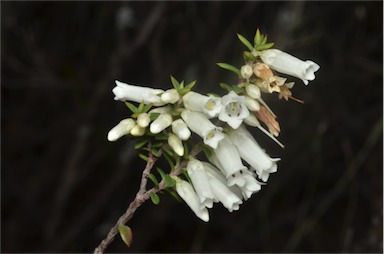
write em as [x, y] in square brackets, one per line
[63, 185]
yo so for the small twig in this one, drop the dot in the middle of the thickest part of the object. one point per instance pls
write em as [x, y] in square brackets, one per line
[141, 196]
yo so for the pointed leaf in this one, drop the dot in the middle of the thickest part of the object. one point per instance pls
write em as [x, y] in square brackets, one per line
[257, 38]
[264, 40]
[153, 178]
[175, 83]
[125, 234]
[153, 116]
[229, 67]
[147, 108]
[139, 144]
[131, 107]
[140, 107]
[265, 46]
[142, 156]
[248, 57]
[226, 87]
[156, 152]
[155, 198]
[191, 84]
[245, 42]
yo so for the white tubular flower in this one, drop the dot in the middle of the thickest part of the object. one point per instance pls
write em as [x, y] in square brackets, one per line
[290, 65]
[162, 122]
[252, 105]
[143, 120]
[234, 109]
[251, 152]
[222, 192]
[188, 194]
[202, 126]
[251, 185]
[246, 71]
[124, 127]
[137, 131]
[230, 161]
[253, 91]
[170, 96]
[126, 92]
[209, 105]
[180, 129]
[200, 182]
[161, 110]
[176, 144]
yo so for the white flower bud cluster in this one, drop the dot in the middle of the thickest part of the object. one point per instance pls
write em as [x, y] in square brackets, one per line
[237, 166]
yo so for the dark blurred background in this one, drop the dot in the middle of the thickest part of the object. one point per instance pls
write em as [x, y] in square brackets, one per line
[63, 185]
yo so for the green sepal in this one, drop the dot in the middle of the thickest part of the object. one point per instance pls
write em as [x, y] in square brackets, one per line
[175, 83]
[245, 42]
[248, 56]
[258, 38]
[155, 198]
[152, 177]
[142, 156]
[153, 116]
[265, 46]
[264, 40]
[131, 107]
[229, 67]
[139, 144]
[125, 234]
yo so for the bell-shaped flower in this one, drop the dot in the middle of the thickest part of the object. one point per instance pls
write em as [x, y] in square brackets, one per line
[200, 182]
[137, 131]
[209, 105]
[251, 185]
[143, 120]
[290, 65]
[234, 109]
[202, 126]
[188, 194]
[126, 92]
[124, 127]
[170, 96]
[181, 129]
[176, 144]
[223, 193]
[162, 122]
[160, 110]
[251, 152]
[230, 161]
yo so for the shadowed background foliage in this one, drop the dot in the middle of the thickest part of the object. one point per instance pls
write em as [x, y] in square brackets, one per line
[64, 185]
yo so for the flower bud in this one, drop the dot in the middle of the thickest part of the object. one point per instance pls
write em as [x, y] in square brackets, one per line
[123, 128]
[143, 120]
[252, 104]
[161, 123]
[246, 71]
[253, 91]
[180, 129]
[176, 144]
[170, 96]
[137, 131]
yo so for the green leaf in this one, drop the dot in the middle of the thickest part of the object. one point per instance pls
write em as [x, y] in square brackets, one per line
[264, 40]
[157, 144]
[153, 116]
[147, 108]
[191, 84]
[245, 42]
[140, 107]
[169, 159]
[237, 89]
[142, 156]
[226, 87]
[175, 83]
[174, 194]
[265, 46]
[125, 234]
[153, 178]
[131, 107]
[141, 143]
[257, 39]
[183, 91]
[248, 57]
[156, 152]
[229, 67]
[161, 136]
[186, 150]
[155, 198]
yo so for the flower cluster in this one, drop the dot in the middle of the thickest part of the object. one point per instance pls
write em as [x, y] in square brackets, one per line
[236, 166]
